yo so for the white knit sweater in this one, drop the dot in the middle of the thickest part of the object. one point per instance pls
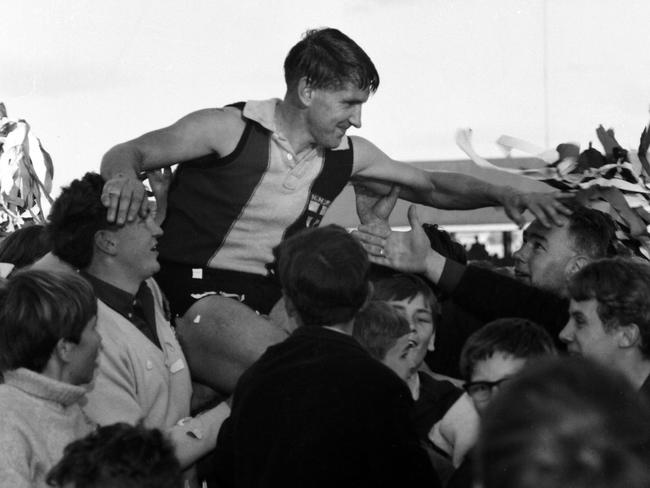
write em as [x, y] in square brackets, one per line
[39, 416]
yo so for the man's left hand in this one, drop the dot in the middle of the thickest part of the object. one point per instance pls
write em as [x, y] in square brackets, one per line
[373, 207]
[546, 207]
[404, 251]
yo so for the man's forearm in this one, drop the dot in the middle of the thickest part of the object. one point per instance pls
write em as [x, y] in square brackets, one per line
[457, 191]
[121, 160]
[194, 437]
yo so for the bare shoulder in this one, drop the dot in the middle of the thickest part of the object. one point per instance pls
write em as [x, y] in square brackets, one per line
[226, 121]
[366, 157]
[372, 162]
[207, 130]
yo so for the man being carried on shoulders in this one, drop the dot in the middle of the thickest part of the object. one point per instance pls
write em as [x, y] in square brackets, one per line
[252, 172]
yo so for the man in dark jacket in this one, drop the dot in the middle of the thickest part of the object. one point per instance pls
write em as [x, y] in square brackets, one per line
[316, 410]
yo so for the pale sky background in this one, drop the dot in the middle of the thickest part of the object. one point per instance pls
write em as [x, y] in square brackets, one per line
[90, 74]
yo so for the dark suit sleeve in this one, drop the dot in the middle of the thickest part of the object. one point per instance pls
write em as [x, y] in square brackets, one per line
[490, 296]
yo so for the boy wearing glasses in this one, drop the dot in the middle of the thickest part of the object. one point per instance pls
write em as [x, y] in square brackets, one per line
[490, 357]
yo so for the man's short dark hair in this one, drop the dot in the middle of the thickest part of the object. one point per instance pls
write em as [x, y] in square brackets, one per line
[377, 327]
[329, 59]
[119, 456]
[37, 309]
[565, 421]
[512, 336]
[593, 232]
[76, 216]
[324, 272]
[404, 286]
[621, 286]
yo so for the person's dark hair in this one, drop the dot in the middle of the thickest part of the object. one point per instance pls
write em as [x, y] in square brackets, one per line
[76, 216]
[323, 272]
[404, 286]
[377, 327]
[119, 456]
[329, 59]
[37, 309]
[565, 421]
[621, 286]
[25, 245]
[513, 336]
[593, 232]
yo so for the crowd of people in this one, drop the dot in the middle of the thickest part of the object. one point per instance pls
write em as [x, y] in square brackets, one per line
[210, 333]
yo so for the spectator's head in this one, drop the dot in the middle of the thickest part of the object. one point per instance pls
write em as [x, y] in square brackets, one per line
[329, 77]
[24, 246]
[413, 298]
[328, 60]
[76, 216]
[118, 456]
[609, 315]
[549, 256]
[496, 352]
[47, 325]
[323, 273]
[565, 422]
[386, 335]
[81, 235]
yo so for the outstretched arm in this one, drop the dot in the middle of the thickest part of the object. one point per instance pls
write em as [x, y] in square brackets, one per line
[476, 290]
[197, 134]
[454, 191]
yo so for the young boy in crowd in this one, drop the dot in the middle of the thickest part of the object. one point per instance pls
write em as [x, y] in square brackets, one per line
[490, 357]
[384, 332]
[414, 300]
[386, 335]
[48, 352]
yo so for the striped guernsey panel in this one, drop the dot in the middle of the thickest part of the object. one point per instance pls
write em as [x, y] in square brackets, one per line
[229, 213]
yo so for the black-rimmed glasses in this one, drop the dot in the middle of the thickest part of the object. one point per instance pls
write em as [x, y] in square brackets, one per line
[482, 390]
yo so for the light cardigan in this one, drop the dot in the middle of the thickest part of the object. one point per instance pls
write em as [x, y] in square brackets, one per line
[39, 416]
[137, 381]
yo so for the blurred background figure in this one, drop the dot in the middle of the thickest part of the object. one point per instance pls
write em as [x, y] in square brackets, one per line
[22, 247]
[565, 422]
[118, 456]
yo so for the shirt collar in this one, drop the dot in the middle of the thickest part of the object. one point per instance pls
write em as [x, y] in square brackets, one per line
[262, 112]
[44, 387]
[116, 298]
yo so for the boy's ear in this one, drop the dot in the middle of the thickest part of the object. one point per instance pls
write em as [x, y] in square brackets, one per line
[576, 264]
[106, 241]
[431, 346]
[629, 335]
[63, 350]
[305, 92]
